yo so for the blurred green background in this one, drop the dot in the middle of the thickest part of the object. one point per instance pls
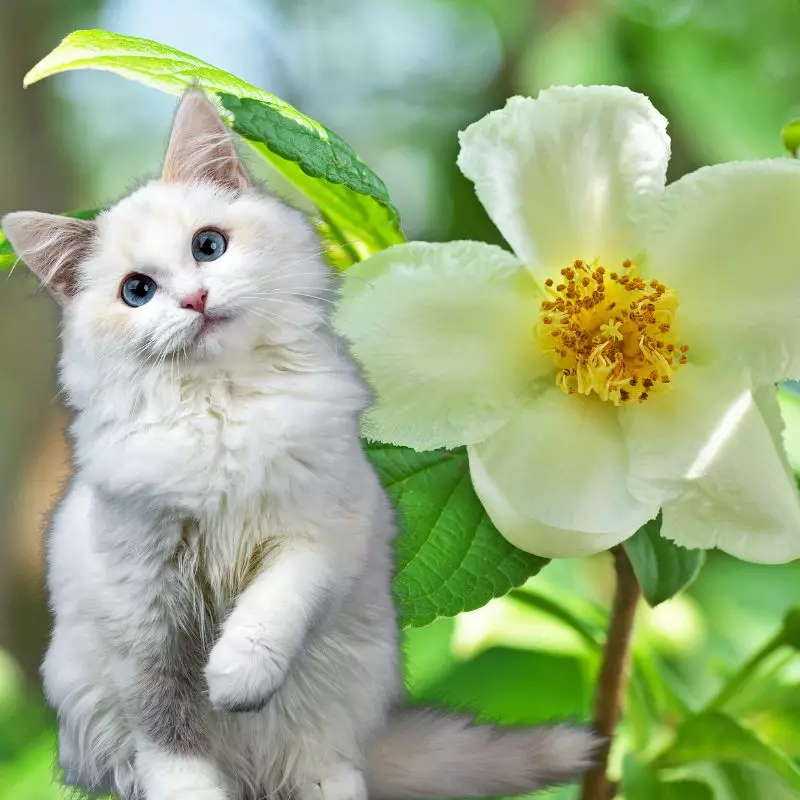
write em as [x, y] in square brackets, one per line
[398, 79]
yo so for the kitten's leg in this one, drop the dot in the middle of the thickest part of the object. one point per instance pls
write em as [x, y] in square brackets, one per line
[269, 624]
[172, 762]
[95, 750]
[336, 694]
[172, 759]
[156, 626]
[356, 661]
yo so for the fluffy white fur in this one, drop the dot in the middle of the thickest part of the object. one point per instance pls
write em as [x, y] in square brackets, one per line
[220, 568]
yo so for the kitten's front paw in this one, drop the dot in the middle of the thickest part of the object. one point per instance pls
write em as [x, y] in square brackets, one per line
[168, 776]
[243, 673]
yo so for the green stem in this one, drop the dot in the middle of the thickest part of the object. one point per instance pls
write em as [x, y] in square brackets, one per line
[746, 672]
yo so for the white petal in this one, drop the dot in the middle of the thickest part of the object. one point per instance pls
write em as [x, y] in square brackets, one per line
[727, 239]
[679, 433]
[768, 400]
[531, 535]
[568, 175]
[445, 335]
[561, 462]
[746, 503]
[789, 402]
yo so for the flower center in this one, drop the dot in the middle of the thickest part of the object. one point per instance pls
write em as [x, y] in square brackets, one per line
[610, 333]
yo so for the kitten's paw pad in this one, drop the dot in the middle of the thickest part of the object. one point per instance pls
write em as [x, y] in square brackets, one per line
[342, 783]
[242, 675]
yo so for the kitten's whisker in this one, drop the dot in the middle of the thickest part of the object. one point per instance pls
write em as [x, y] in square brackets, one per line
[286, 297]
[13, 267]
[336, 277]
[272, 316]
[301, 291]
[291, 293]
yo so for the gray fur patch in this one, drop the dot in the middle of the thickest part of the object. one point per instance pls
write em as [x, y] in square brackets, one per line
[172, 691]
[171, 694]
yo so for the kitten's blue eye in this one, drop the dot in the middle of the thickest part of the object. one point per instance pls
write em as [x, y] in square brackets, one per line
[137, 289]
[208, 245]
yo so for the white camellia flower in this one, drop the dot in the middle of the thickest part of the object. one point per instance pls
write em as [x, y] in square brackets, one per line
[624, 360]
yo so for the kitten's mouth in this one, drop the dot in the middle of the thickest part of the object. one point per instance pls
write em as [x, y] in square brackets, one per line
[209, 323]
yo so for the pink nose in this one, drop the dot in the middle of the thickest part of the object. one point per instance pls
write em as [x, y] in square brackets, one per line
[196, 301]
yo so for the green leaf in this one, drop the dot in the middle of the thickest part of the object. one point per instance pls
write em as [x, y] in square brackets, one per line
[791, 136]
[450, 558]
[640, 782]
[713, 736]
[680, 790]
[791, 628]
[499, 685]
[427, 654]
[751, 783]
[774, 713]
[7, 256]
[358, 216]
[740, 781]
[662, 567]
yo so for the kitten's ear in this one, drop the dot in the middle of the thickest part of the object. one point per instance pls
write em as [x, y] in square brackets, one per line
[51, 246]
[201, 147]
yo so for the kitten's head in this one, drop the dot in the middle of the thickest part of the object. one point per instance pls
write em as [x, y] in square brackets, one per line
[196, 265]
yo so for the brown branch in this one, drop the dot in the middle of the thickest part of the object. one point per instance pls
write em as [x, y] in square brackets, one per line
[613, 679]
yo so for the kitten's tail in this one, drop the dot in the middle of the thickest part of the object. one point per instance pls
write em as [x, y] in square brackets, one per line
[425, 753]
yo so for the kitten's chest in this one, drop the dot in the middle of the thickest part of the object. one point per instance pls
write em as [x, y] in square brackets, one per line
[217, 561]
[237, 444]
[234, 433]
[219, 449]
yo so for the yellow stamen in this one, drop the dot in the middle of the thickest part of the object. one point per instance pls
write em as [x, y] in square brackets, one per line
[611, 332]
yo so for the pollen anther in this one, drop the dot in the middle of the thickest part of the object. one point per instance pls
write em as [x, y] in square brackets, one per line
[608, 332]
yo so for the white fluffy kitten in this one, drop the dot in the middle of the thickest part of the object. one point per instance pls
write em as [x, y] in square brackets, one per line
[220, 568]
